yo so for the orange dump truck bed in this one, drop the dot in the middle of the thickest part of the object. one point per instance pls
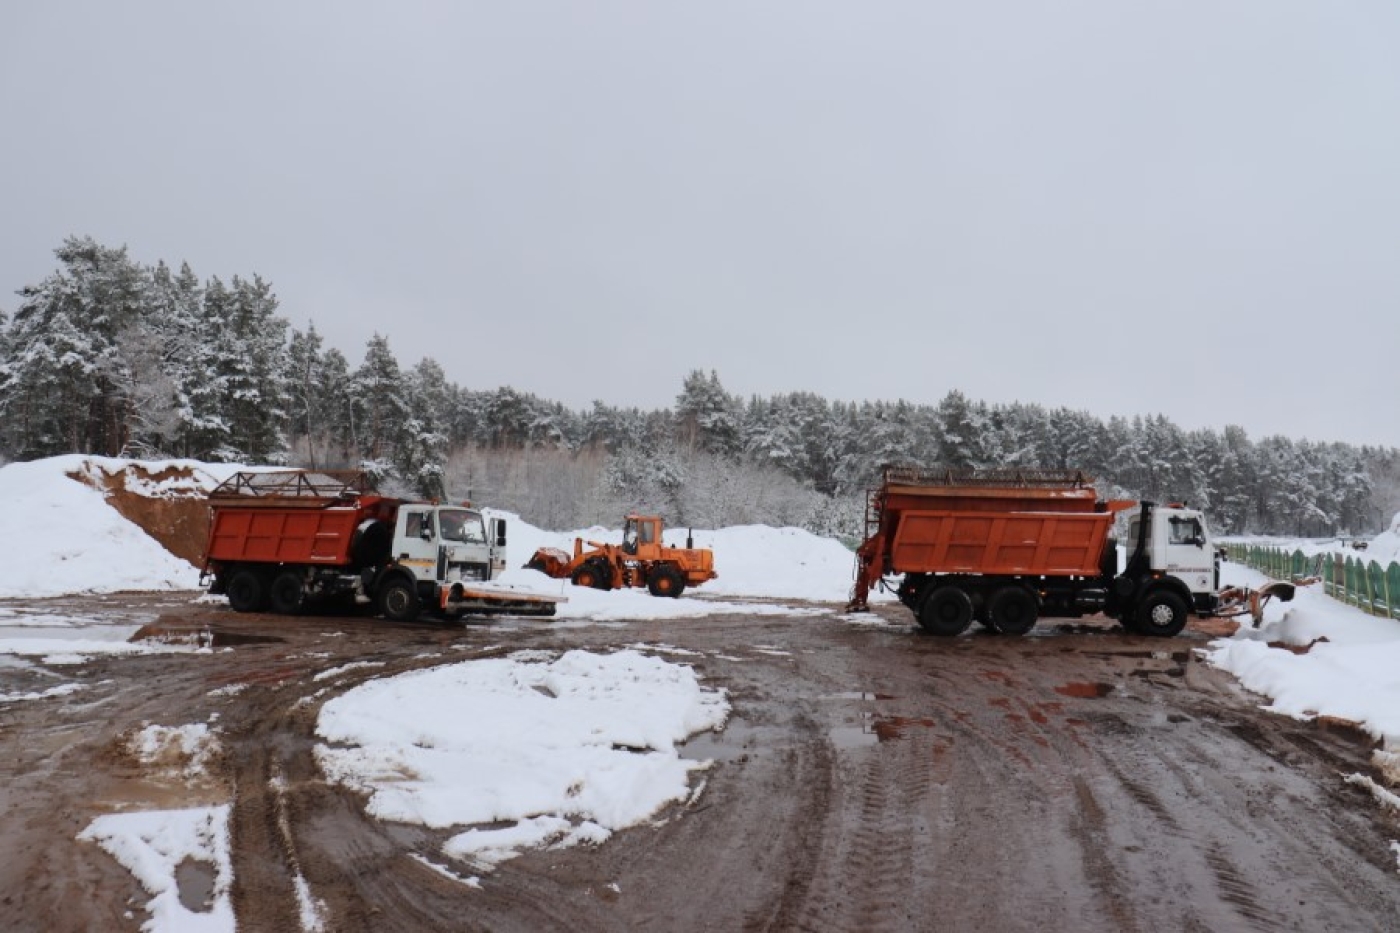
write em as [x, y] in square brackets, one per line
[284, 536]
[1036, 543]
[290, 517]
[1033, 523]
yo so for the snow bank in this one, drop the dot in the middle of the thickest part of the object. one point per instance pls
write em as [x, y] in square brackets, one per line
[57, 536]
[1349, 672]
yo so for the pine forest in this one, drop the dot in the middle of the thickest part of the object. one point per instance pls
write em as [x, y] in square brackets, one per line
[105, 356]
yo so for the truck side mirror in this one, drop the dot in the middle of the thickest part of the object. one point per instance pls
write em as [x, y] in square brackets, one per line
[426, 534]
[500, 524]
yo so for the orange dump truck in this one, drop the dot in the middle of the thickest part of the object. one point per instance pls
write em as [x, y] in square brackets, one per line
[283, 540]
[1005, 547]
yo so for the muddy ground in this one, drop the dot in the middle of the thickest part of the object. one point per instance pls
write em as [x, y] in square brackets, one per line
[870, 779]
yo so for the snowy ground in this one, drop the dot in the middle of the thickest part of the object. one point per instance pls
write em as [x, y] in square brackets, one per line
[564, 749]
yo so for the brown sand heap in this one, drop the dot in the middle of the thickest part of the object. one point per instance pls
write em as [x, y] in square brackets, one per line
[167, 503]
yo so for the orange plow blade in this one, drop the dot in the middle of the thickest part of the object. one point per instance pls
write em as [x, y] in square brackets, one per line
[1238, 600]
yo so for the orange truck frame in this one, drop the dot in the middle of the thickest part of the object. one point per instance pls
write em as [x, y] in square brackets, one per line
[1005, 547]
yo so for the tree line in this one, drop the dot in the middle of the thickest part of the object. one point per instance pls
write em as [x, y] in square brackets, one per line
[109, 357]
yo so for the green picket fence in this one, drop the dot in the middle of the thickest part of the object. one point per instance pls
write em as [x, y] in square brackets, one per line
[1357, 582]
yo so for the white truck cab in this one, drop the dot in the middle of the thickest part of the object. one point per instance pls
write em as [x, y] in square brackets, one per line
[1177, 544]
[449, 544]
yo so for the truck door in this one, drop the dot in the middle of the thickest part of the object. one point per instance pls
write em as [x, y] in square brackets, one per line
[497, 538]
[416, 541]
[1187, 554]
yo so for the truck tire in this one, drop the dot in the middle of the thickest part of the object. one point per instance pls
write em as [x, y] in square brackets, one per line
[1012, 610]
[946, 611]
[287, 595]
[246, 591]
[398, 600]
[665, 580]
[1162, 613]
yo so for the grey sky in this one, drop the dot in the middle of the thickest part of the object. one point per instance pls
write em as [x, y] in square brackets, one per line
[1190, 208]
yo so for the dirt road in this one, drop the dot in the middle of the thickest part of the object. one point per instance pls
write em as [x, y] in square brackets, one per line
[870, 779]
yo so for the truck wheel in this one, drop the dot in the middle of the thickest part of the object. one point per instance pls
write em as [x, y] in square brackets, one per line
[287, 595]
[246, 592]
[1163, 614]
[398, 601]
[946, 611]
[665, 580]
[1012, 610]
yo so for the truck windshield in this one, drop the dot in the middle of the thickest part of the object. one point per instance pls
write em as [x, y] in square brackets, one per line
[461, 525]
[1186, 531]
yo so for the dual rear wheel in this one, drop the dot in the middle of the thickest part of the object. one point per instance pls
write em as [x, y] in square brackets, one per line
[948, 610]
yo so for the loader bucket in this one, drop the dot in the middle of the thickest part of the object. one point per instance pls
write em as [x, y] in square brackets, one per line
[550, 561]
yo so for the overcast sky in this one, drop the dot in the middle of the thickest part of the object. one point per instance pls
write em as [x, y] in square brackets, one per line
[1125, 207]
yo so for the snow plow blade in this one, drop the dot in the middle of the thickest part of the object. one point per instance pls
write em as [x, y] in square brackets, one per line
[1238, 601]
[493, 599]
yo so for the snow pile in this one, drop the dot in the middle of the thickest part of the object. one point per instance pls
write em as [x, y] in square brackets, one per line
[567, 750]
[1384, 548]
[753, 561]
[1348, 670]
[58, 536]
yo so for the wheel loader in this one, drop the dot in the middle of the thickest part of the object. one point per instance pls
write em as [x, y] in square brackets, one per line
[641, 560]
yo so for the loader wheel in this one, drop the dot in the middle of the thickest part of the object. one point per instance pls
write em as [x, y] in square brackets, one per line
[398, 601]
[1012, 610]
[666, 580]
[947, 611]
[593, 576]
[1162, 614]
[287, 595]
[246, 592]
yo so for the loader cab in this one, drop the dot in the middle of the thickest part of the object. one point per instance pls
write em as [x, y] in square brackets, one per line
[641, 535]
[1178, 544]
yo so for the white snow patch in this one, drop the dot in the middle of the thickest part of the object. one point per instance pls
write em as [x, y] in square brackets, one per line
[58, 691]
[153, 844]
[565, 750]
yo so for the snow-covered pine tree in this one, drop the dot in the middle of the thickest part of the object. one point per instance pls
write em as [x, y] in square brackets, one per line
[707, 417]
[381, 406]
[254, 366]
[64, 366]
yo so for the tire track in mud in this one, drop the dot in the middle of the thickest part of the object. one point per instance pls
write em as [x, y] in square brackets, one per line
[282, 865]
[1081, 779]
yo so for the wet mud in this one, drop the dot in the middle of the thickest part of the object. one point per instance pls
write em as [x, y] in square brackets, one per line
[870, 779]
